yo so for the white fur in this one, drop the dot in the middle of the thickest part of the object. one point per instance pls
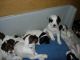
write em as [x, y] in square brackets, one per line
[24, 49]
[53, 30]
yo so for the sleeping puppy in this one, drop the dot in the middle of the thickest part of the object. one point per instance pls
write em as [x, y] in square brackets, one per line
[7, 49]
[53, 27]
[43, 37]
[27, 48]
[7, 46]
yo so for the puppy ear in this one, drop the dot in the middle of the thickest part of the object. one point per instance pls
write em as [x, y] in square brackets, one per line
[58, 20]
[33, 38]
[43, 33]
[2, 35]
[25, 36]
[11, 41]
[60, 27]
[4, 47]
[50, 20]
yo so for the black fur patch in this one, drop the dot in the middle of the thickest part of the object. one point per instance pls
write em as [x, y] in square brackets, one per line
[50, 20]
[73, 56]
[2, 36]
[8, 45]
[33, 39]
[16, 36]
[43, 33]
[44, 39]
[25, 36]
[60, 27]
[58, 20]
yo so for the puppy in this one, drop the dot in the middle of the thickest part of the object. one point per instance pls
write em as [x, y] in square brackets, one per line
[7, 46]
[71, 41]
[43, 37]
[65, 32]
[53, 27]
[27, 48]
[7, 49]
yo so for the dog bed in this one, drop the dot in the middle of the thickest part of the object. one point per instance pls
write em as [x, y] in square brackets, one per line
[53, 50]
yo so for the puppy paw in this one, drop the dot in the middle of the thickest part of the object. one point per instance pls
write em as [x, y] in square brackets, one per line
[39, 56]
[59, 42]
[44, 56]
[52, 38]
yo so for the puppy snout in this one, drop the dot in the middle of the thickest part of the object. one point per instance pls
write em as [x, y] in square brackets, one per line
[54, 25]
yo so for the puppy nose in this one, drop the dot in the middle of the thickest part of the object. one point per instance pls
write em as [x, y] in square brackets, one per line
[54, 25]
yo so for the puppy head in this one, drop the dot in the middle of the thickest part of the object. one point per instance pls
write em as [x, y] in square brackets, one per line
[30, 39]
[54, 21]
[44, 38]
[33, 39]
[8, 45]
[2, 35]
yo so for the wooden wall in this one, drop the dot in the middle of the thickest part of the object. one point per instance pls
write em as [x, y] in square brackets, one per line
[12, 7]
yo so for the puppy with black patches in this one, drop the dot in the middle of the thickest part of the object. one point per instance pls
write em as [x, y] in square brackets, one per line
[7, 46]
[7, 49]
[53, 27]
[43, 37]
[27, 48]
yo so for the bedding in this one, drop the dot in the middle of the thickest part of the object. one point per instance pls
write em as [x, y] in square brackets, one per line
[53, 50]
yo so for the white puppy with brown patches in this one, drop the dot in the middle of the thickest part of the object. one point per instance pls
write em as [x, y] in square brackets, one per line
[26, 49]
[53, 27]
[43, 37]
